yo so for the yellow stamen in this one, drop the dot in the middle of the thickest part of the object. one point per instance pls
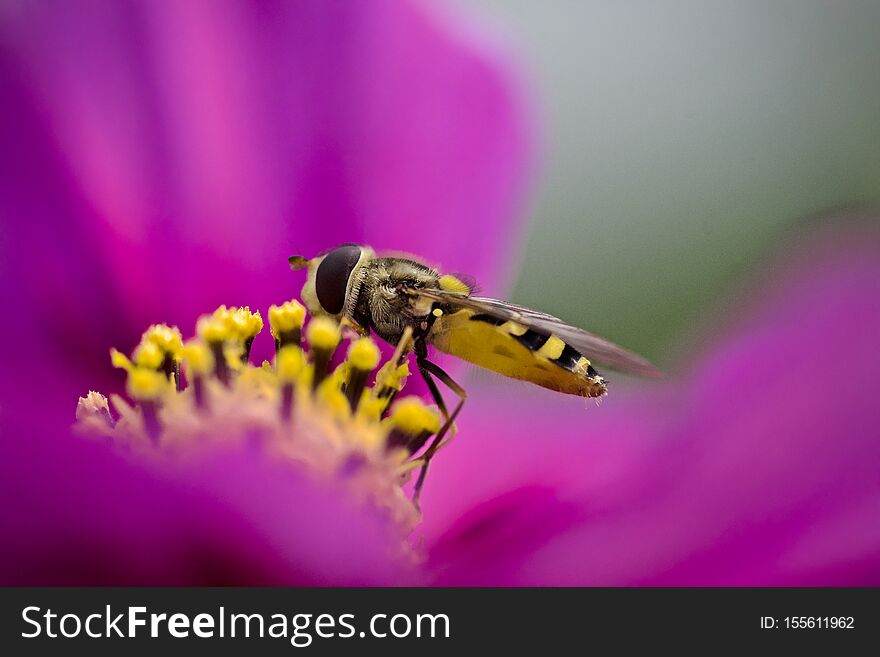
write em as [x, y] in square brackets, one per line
[323, 333]
[120, 360]
[213, 329]
[371, 408]
[289, 363]
[198, 358]
[148, 354]
[333, 399]
[413, 417]
[287, 317]
[391, 377]
[167, 338]
[233, 353]
[243, 323]
[146, 384]
[257, 382]
[363, 354]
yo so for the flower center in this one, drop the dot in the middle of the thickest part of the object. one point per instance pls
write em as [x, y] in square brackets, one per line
[328, 421]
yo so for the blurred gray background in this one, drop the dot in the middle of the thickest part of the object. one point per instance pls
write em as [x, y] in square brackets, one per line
[683, 143]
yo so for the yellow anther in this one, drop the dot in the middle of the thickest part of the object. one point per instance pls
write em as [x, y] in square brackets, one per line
[212, 328]
[289, 363]
[243, 324]
[198, 357]
[391, 376]
[286, 317]
[120, 360]
[167, 338]
[221, 314]
[148, 354]
[323, 333]
[363, 354]
[371, 408]
[341, 374]
[413, 417]
[232, 355]
[255, 323]
[437, 313]
[333, 398]
[146, 384]
[452, 284]
[257, 381]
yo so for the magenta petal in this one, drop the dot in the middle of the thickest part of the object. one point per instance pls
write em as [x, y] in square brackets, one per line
[76, 512]
[160, 159]
[761, 470]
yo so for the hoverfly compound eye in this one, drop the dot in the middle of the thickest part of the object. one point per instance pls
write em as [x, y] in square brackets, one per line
[331, 279]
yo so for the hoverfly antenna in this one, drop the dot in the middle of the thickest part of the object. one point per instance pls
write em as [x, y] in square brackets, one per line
[298, 262]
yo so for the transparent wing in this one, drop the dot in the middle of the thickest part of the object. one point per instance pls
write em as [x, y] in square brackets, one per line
[591, 346]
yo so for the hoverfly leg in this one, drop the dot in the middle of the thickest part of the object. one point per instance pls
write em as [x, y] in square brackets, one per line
[428, 371]
[432, 388]
[431, 368]
[417, 489]
[432, 449]
[422, 361]
[437, 441]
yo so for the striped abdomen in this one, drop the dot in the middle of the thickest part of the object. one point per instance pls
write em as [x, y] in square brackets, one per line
[516, 351]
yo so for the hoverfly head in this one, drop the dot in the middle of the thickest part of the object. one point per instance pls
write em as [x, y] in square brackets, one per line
[331, 278]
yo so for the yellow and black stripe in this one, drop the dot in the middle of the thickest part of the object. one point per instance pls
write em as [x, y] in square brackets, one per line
[517, 351]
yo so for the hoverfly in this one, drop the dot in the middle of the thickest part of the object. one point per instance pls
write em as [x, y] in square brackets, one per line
[400, 299]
